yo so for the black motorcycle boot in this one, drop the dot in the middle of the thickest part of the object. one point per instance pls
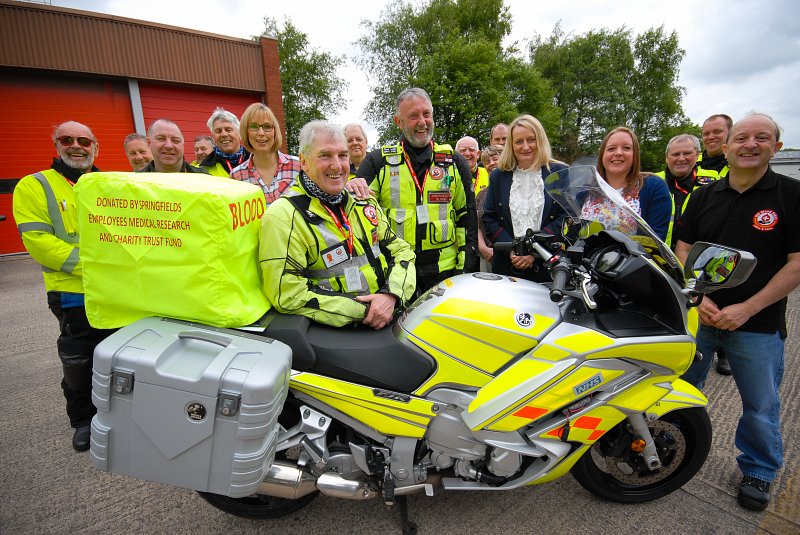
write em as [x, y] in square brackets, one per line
[81, 438]
[77, 387]
[753, 493]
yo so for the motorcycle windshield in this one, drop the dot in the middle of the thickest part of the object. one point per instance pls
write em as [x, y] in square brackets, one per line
[590, 202]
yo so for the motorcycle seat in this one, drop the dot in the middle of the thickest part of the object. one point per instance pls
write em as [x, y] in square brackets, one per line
[355, 354]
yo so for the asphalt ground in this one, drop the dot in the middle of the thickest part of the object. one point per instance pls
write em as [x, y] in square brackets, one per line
[46, 487]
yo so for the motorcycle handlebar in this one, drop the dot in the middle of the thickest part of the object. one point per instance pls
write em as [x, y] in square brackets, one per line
[503, 247]
[561, 275]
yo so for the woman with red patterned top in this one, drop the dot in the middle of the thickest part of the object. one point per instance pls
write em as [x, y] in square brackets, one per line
[267, 167]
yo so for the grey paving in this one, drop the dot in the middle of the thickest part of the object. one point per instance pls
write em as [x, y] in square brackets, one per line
[48, 488]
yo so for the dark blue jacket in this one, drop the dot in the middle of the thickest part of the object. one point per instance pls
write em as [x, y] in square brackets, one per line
[655, 202]
[497, 224]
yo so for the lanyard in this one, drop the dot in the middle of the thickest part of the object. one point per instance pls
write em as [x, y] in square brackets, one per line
[413, 174]
[678, 186]
[230, 168]
[343, 226]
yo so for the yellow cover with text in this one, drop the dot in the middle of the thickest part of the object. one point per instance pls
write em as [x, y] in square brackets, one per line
[177, 245]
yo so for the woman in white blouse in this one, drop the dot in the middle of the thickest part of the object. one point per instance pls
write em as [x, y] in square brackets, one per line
[516, 200]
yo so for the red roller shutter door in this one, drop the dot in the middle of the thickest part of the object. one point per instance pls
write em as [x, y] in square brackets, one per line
[190, 107]
[33, 104]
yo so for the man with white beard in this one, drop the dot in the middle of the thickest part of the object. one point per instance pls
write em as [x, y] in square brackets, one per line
[425, 190]
[46, 214]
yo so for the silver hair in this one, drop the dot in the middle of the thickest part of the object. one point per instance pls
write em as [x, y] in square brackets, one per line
[683, 137]
[355, 125]
[131, 137]
[220, 114]
[412, 92]
[468, 138]
[315, 130]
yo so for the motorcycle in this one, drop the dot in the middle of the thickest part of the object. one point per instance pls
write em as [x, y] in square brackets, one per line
[491, 383]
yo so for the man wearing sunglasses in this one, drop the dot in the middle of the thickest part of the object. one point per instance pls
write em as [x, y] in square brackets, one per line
[45, 211]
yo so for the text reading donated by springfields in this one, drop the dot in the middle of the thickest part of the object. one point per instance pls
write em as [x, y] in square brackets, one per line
[137, 221]
[242, 213]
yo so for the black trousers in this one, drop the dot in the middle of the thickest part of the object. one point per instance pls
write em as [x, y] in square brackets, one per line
[76, 345]
[426, 281]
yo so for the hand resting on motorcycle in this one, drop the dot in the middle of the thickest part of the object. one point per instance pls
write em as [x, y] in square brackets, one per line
[380, 309]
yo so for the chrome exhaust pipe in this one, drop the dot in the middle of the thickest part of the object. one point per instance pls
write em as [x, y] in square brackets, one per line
[287, 481]
[335, 485]
[291, 482]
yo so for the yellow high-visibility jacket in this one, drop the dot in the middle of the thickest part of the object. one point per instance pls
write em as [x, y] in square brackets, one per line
[304, 255]
[47, 220]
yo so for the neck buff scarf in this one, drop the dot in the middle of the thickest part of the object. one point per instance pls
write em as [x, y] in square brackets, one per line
[68, 172]
[233, 159]
[315, 191]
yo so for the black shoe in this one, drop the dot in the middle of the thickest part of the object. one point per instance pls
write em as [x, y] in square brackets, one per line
[723, 368]
[753, 493]
[80, 440]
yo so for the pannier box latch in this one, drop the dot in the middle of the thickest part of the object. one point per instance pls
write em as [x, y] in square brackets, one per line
[228, 404]
[122, 382]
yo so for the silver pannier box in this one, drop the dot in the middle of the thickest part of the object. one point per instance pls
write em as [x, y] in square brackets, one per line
[188, 405]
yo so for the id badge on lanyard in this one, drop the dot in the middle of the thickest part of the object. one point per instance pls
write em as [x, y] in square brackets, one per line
[352, 278]
[422, 214]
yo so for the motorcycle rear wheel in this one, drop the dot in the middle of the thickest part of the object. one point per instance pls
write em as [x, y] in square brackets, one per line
[690, 431]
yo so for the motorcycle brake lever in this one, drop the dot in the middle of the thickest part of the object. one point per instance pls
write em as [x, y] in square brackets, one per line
[584, 284]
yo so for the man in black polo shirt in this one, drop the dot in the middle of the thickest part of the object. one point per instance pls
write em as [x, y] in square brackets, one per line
[757, 210]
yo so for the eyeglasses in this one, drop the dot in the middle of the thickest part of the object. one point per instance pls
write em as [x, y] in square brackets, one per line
[67, 141]
[255, 127]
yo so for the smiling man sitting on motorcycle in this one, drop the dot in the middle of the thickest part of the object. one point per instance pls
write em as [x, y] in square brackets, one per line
[326, 255]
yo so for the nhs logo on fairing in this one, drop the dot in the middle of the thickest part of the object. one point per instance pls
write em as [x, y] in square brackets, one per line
[588, 384]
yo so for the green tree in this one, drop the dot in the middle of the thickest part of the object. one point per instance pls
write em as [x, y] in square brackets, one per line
[452, 49]
[606, 78]
[311, 88]
[657, 112]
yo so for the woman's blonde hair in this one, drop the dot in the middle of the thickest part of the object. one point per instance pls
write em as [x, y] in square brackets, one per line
[255, 113]
[544, 155]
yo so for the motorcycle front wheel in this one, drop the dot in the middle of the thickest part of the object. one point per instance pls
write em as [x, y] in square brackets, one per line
[683, 440]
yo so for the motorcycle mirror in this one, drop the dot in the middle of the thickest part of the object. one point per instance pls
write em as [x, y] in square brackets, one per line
[714, 266]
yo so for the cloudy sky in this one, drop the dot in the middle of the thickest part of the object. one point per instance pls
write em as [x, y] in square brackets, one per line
[741, 55]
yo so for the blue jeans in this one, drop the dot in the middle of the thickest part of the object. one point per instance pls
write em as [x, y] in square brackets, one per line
[756, 360]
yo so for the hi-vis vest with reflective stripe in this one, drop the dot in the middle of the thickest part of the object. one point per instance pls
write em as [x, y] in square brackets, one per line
[369, 260]
[443, 196]
[707, 176]
[303, 265]
[47, 220]
[481, 181]
[702, 177]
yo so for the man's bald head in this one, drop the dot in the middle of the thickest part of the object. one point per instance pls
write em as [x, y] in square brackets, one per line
[468, 147]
